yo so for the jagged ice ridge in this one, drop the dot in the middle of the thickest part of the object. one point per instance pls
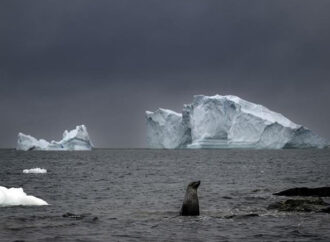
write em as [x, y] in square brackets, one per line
[76, 139]
[226, 122]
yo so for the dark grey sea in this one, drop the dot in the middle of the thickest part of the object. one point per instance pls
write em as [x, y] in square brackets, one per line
[136, 195]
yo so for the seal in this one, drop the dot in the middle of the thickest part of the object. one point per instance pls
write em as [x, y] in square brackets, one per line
[190, 206]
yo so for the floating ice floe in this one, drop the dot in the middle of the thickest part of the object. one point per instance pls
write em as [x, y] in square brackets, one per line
[17, 197]
[76, 139]
[35, 170]
[226, 122]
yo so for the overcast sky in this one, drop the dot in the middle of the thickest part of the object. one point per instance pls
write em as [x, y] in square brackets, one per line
[103, 63]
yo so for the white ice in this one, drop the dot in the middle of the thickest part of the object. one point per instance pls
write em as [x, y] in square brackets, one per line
[76, 139]
[172, 133]
[17, 197]
[227, 122]
[35, 170]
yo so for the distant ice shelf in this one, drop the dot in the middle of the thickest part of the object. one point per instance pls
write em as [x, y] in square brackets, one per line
[226, 122]
[76, 139]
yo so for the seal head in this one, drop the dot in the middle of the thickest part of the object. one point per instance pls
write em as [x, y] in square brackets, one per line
[190, 206]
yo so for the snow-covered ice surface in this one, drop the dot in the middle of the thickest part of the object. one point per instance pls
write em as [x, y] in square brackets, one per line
[226, 122]
[17, 197]
[76, 139]
[35, 170]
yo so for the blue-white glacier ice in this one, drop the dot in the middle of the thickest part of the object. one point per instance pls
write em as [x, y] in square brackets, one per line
[226, 122]
[76, 139]
[166, 129]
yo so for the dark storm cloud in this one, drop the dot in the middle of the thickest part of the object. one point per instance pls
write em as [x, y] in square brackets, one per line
[103, 63]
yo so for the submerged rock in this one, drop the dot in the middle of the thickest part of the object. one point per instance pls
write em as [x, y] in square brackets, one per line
[306, 192]
[72, 215]
[301, 205]
[78, 216]
[242, 216]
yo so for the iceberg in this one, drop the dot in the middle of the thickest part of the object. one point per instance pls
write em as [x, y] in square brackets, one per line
[17, 197]
[76, 139]
[35, 171]
[165, 129]
[226, 122]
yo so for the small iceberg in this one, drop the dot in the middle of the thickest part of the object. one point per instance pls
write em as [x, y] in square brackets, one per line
[76, 139]
[17, 197]
[35, 171]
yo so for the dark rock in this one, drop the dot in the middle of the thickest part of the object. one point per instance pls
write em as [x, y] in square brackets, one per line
[325, 210]
[250, 215]
[241, 216]
[306, 192]
[300, 205]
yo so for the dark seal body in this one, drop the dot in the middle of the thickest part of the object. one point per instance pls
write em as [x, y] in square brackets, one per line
[190, 206]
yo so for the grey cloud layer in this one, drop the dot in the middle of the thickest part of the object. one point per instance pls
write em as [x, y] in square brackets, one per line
[103, 63]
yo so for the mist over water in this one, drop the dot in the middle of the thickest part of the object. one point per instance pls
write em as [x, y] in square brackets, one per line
[129, 195]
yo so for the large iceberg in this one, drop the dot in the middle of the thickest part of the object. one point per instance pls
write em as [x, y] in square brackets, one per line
[226, 122]
[76, 139]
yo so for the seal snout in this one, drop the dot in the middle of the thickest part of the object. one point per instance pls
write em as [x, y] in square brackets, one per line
[195, 184]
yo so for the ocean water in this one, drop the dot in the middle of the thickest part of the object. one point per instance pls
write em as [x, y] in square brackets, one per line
[136, 195]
